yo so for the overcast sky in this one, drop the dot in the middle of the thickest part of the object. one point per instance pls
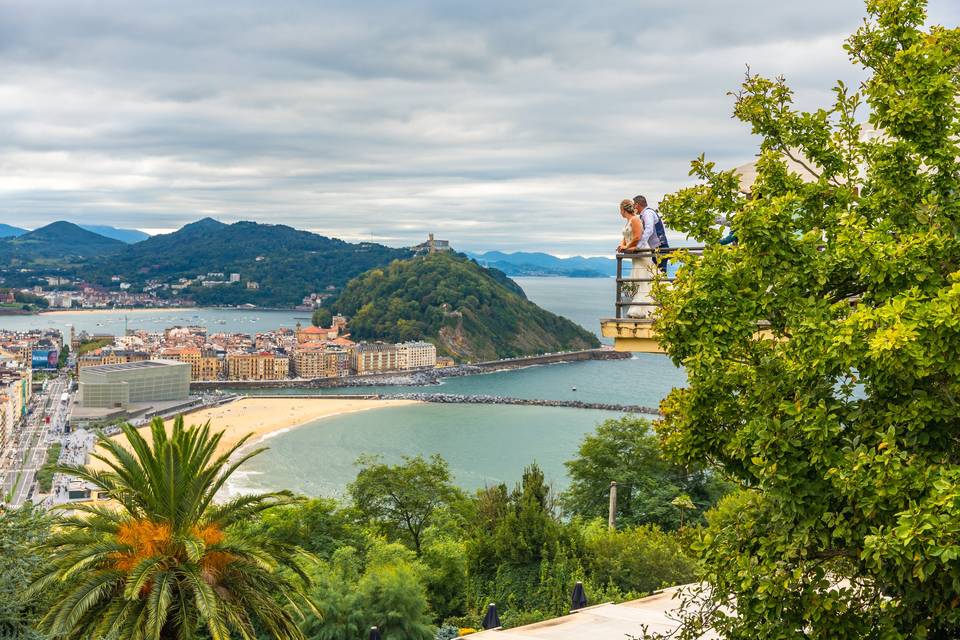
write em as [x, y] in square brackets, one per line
[496, 125]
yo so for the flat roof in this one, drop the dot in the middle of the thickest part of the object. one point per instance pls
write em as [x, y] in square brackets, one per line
[128, 366]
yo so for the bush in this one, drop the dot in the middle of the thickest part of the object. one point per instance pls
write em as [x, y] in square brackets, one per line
[635, 561]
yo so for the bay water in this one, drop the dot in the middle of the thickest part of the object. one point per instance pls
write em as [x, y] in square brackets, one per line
[484, 444]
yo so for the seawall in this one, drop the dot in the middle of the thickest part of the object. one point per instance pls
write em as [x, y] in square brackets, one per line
[422, 377]
[456, 398]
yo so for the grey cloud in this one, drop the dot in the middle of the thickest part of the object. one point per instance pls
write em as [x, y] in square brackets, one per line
[496, 124]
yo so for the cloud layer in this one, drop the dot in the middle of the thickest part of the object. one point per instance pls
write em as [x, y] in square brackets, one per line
[496, 124]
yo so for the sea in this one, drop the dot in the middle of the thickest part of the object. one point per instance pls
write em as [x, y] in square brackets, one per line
[483, 444]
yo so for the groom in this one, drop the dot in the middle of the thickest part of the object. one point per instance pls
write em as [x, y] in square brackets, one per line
[654, 235]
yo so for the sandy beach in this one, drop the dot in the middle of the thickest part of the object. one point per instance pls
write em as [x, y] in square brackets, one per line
[60, 312]
[263, 417]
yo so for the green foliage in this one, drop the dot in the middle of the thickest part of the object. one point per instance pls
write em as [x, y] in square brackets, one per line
[21, 532]
[29, 300]
[316, 525]
[389, 594]
[519, 553]
[64, 356]
[403, 499]
[167, 561]
[446, 577]
[634, 561]
[321, 317]
[842, 419]
[627, 451]
[92, 345]
[46, 472]
[467, 311]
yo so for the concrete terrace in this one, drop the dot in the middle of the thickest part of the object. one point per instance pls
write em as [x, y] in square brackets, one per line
[600, 622]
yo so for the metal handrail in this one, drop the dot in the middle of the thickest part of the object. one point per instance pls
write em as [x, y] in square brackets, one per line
[644, 253]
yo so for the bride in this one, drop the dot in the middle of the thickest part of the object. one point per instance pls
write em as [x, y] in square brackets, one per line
[643, 266]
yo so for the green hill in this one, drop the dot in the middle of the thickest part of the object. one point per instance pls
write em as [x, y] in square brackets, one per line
[57, 243]
[287, 263]
[469, 312]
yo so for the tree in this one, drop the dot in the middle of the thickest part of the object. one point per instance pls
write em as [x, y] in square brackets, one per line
[389, 594]
[321, 317]
[626, 450]
[166, 560]
[403, 499]
[634, 560]
[21, 531]
[839, 418]
[316, 525]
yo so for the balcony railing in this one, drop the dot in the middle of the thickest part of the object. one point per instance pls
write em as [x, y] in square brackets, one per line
[625, 294]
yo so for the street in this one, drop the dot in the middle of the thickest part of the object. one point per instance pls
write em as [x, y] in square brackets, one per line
[26, 452]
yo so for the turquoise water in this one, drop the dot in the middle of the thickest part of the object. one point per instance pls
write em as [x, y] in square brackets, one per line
[483, 444]
[644, 380]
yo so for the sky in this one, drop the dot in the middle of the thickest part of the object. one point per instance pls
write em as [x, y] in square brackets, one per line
[516, 126]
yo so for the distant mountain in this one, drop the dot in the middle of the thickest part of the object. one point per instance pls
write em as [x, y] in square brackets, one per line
[6, 231]
[286, 263]
[128, 236]
[466, 310]
[524, 263]
[59, 243]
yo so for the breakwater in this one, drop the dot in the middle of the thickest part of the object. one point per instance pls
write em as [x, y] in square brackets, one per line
[457, 398]
[421, 377]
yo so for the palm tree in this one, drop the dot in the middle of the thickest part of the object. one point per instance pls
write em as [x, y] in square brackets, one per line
[163, 562]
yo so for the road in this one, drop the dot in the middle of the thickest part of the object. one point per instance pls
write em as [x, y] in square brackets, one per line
[27, 450]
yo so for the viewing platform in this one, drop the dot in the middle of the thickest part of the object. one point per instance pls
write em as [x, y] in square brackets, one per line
[637, 334]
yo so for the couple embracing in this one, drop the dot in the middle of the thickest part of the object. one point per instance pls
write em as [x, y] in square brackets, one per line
[643, 232]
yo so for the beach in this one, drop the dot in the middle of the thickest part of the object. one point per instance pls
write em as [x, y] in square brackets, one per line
[263, 417]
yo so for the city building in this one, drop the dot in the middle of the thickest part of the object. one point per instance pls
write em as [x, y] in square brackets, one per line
[102, 357]
[16, 385]
[116, 386]
[257, 366]
[308, 360]
[374, 357]
[416, 355]
[204, 365]
[336, 362]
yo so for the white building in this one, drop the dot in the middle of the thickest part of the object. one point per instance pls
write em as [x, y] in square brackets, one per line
[416, 355]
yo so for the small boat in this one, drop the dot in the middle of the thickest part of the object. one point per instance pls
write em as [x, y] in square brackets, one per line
[573, 388]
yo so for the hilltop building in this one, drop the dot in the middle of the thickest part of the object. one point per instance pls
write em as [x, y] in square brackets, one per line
[432, 245]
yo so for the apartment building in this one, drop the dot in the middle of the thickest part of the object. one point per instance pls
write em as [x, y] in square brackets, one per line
[309, 360]
[15, 389]
[204, 365]
[416, 355]
[374, 357]
[257, 366]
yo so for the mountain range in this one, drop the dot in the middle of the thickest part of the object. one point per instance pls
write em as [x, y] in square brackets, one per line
[123, 235]
[524, 263]
[59, 243]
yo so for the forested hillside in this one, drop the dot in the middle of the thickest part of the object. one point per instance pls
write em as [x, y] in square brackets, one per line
[467, 311]
[286, 263]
